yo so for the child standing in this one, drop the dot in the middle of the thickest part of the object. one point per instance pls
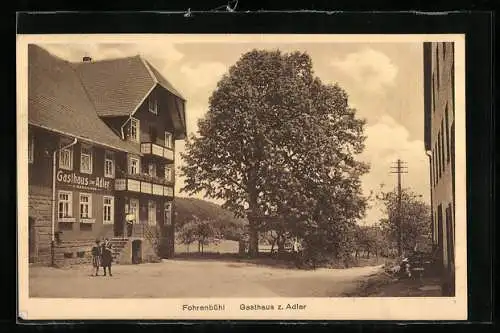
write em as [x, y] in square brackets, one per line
[96, 256]
[107, 257]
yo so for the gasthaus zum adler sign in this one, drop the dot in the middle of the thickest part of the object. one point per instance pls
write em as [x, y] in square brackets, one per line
[83, 182]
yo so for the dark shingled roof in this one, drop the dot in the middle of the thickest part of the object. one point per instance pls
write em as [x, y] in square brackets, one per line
[118, 86]
[58, 102]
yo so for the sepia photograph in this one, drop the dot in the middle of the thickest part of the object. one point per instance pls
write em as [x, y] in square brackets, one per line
[241, 176]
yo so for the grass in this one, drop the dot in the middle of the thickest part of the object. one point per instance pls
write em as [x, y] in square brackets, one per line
[225, 246]
[227, 250]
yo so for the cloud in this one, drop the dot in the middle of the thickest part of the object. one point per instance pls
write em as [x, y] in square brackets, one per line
[204, 74]
[387, 140]
[165, 53]
[372, 70]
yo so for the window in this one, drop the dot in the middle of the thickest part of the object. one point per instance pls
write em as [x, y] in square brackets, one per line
[433, 170]
[85, 159]
[133, 130]
[452, 144]
[448, 145]
[168, 213]
[109, 209]
[66, 157]
[109, 164]
[436, 149]
[152, 169]
[151, 212]
[168, 140]
[168, 173]
[134, 209]
[65, 205]
[437, 65]
[85, 206]
[433, 89]
[440, 164]
[134, 165]
[31, 148]
[443, 144]
[153, 105]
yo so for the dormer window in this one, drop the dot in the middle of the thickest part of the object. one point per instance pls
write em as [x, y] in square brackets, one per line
[133, 130]
[153, 106]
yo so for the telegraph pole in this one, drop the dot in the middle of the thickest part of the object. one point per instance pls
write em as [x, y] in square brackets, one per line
[399, 169]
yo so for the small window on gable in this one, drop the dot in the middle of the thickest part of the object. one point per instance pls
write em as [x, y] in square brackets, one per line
[133, 130]
[153, 105]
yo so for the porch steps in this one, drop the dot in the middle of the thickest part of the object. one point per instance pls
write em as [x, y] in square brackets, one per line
[118, 244]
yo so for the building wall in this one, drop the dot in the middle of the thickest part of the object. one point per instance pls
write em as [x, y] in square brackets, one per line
[151, 124]
[40, 196]
[72, 234]
[442, 147]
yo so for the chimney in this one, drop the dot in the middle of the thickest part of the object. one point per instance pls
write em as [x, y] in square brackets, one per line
[87, 59]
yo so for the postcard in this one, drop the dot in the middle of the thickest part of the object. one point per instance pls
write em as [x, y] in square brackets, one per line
[220, 176]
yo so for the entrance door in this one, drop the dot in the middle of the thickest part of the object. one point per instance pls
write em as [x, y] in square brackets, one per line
[32, 240]
[136, 251]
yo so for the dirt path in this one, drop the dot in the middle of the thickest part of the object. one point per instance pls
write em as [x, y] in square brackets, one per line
[179, 279]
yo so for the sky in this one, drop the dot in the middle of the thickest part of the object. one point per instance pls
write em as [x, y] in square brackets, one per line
[384, 82]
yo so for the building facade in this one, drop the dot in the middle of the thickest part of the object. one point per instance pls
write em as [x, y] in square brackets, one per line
[101, 153]
[439, 90]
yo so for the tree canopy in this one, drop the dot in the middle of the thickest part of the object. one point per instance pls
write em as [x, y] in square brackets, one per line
[278, 142]
[415, 218]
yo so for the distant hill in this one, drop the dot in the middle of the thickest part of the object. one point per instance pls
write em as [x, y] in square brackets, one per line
[230, 226]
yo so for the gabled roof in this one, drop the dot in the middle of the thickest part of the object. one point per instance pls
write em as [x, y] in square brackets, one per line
[162, 81]
[58, 102]
[117, 87]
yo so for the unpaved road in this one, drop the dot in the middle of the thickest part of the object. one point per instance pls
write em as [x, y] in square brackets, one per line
[194, 278]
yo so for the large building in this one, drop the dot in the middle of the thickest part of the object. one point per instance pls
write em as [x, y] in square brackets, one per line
[439, 106]
[101, 157]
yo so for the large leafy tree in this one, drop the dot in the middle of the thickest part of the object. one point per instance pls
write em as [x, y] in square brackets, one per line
[414, 224]
[277, 142]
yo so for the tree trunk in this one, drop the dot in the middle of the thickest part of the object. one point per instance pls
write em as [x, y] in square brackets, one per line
[253, 246]
[253, 219]
[281, 244]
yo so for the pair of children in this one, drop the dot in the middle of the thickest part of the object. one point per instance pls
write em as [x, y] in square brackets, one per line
[102, 255]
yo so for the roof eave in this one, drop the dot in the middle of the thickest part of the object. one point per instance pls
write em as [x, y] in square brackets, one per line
[81, 138]
[153, 76]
